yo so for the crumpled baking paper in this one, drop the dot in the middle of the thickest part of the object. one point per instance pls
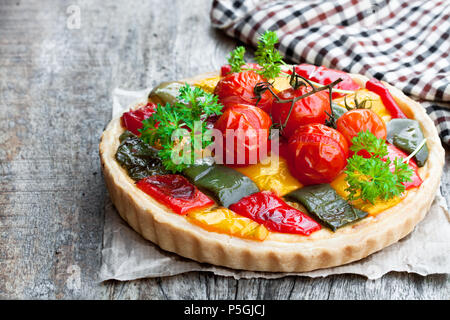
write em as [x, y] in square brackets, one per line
[128, 256]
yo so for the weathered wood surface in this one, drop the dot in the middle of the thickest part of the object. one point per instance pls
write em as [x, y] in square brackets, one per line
[55, 100]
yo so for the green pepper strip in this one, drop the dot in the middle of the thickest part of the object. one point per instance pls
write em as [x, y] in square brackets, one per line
[326, 205]
[137, 157]
[225, 184]
[407, 135]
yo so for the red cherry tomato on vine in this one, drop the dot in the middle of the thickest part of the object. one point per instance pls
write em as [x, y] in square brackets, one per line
[308, 110]
[326, 76]
[317, 154]
[237, 88]
[354, 121]
[247, 129]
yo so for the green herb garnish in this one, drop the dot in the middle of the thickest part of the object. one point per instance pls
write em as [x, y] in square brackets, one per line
[173, 127]
[236, 59]
[365, 140]
[267, 56]
[371, 178]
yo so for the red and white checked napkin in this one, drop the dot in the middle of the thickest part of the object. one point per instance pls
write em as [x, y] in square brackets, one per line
[403, 42]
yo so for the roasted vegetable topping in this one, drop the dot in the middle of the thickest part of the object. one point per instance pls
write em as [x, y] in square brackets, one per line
[138, 158]
[336, 148]
[132, 120]
[308, 110]
[317, 154]
[366, 99]
[273, 176]
[275, 214]
[226, 221]
[176, 192]
[326, 205]
[407, 135]
[237, 88]
[165, 92]
[188, 120]
[326, 76]
[340, 185]
[378, 87]
[358, 120]
[245, 132]
[338, 111]
[379, 176]
[225, 184]
[394, 153]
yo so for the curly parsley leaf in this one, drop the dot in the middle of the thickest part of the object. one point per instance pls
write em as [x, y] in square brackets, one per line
[375, 178]
[236, 59]
[267, 56]
[171, 127]
[365, 140]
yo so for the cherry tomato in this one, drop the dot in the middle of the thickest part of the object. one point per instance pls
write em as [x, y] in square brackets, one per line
[132, 120]
[308, 110]
[326, 76]
[354, 121]
[237, 88]
[245, 146]
[317, 154]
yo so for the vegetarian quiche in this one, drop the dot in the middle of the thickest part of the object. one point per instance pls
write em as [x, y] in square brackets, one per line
[273, 167]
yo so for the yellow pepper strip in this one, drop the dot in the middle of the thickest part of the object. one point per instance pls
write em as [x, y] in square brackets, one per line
[223, 220]
[339, 184]
[273, 176]
[281, 83]
[376, 105]
[208, 84]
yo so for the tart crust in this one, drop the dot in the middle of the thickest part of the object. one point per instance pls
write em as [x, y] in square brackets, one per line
[279, 252]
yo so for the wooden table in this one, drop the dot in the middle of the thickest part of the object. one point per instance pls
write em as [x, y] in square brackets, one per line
[55, 100]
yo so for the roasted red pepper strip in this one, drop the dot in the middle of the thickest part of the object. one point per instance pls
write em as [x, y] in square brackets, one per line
[394, 152]
[132, 120]
[176, 192]
[378, 87]
[326, 76]
[226, 68]
[276, 215]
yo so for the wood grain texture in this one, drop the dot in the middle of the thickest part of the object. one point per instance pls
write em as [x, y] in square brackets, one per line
[55, 100]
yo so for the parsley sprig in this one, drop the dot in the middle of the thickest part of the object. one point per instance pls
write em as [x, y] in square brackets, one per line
[190, 113]
[267, 56]
[372, 179]
[236, 59]
[367, 141]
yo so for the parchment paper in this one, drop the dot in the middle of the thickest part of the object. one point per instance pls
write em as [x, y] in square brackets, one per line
[127, 256]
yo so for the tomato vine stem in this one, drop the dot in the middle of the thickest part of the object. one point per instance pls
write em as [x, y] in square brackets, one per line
[296, 81]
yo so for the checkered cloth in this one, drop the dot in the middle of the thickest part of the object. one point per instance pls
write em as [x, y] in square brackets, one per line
[403, 42]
